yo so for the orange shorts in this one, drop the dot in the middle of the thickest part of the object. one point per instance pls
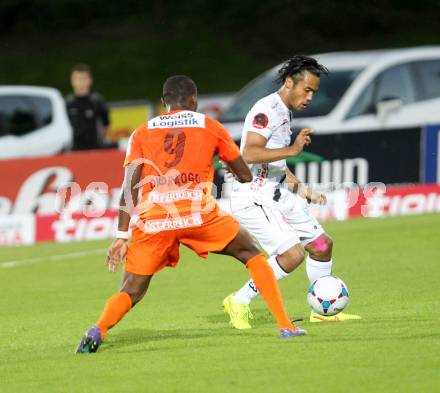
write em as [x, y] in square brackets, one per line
[148, 253]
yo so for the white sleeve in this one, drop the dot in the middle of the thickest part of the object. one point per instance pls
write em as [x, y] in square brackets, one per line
[259, 120]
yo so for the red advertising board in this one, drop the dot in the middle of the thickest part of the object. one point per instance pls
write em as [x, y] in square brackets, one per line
[30, 185]
[67, 228]
[396, 200]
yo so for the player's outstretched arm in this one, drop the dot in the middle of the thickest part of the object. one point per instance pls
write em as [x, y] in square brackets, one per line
[127, 203]
[240, 169]
[256, 152]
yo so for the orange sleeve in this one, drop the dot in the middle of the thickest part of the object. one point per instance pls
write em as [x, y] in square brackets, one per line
[134, 148]
[226, 147]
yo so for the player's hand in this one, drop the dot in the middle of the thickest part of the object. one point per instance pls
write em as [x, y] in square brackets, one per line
[302, 139]
[317, 198]
[116, 254]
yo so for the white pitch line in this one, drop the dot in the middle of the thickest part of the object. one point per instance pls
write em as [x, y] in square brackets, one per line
[53, 258]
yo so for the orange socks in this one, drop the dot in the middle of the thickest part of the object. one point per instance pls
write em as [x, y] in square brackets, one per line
[264, 279]
[115, 309]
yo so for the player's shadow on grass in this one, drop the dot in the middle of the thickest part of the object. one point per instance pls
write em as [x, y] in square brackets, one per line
[142, 337]
[170, 339]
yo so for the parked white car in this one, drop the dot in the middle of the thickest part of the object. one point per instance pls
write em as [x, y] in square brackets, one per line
[365, 90]
[33, 122]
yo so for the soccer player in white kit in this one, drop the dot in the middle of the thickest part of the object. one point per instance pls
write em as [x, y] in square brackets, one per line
[274, 206]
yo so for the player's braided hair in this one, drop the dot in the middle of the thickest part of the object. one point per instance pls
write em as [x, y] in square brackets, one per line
[178, 88]
[296, 65]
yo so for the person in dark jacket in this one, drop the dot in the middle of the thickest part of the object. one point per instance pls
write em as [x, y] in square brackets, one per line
[87, 111]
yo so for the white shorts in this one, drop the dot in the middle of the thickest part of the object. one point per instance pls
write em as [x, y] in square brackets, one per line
[277, 226]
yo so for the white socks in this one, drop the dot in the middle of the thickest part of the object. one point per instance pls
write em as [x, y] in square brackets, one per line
[249, 290]
[316, 269]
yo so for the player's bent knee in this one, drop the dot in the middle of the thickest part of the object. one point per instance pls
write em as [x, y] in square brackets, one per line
[329, 244]
[321, 247]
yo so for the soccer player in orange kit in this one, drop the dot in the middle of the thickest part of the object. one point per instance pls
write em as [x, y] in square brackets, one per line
[171, 159]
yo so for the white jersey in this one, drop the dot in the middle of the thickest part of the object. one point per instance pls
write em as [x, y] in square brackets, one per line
[276, 217]
[269, 117]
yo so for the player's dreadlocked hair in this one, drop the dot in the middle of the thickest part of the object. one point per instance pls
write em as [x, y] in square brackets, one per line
[296, 65]
[178, 88]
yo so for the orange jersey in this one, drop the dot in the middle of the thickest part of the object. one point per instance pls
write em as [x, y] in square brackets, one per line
[177, 150]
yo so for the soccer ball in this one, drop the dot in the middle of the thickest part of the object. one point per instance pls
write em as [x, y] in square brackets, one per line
[328, 295]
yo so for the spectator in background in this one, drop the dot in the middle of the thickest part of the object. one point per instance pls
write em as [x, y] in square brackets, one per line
[87, 110]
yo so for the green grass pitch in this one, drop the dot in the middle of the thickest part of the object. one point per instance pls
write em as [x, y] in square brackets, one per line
[178, 340]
